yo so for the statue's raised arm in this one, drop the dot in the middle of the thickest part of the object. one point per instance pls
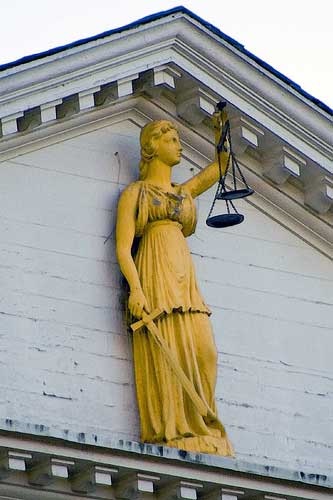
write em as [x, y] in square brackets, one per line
[212, 173]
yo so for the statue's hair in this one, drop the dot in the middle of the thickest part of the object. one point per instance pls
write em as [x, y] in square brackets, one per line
[149, 134]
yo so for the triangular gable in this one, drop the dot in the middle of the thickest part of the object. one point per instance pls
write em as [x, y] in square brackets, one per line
[181, 62]
[70, 124]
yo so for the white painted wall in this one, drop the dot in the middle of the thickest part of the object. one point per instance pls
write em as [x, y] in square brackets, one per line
[272, 301]
[65, 352]
[65, 355]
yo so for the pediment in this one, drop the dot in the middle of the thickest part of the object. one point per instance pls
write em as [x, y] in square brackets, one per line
[70, 122]
[174, 65]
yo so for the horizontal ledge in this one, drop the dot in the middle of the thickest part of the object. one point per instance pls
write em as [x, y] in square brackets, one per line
[12, 431]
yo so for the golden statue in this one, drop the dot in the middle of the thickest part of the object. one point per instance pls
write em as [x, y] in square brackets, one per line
[175, 357]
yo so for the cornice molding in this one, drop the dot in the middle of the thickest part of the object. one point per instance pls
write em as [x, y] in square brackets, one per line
[214, 62]
[179, 68]
[204, 47]
[60, 468]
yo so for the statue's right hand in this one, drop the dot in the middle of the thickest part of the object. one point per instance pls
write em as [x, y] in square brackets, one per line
[137, 303]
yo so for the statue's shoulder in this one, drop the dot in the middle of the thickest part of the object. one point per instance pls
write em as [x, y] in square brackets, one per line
[184, 190]
[130, 196]
[132, 189]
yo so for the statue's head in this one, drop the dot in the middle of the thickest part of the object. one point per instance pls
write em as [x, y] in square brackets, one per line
[150, 134]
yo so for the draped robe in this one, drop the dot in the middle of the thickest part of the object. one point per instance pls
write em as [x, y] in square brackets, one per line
[167, 276]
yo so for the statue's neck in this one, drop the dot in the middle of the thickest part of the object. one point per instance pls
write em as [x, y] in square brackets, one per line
[159, 174]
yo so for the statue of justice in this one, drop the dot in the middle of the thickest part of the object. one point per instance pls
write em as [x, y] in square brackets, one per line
[175, 357]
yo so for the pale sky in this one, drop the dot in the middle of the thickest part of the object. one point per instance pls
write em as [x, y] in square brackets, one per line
[293, 36]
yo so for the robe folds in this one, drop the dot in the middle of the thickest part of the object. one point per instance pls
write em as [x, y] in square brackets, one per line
[167, 276]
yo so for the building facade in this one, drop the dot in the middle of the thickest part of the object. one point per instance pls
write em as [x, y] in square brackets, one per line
[70, 124]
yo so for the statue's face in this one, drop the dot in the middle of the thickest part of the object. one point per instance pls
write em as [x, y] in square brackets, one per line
[168, 148]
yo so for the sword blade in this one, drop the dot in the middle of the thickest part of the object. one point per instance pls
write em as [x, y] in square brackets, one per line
[147, 321]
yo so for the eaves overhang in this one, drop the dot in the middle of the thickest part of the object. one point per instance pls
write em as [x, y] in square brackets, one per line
[35, 462]
[151, 18]
[181, 64]
[173, 36]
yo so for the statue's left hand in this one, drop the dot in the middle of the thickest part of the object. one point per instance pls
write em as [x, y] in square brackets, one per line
[137, 303]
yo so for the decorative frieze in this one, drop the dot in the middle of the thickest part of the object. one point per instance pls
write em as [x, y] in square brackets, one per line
[137, 487]
[9, 123]
[86, 480]
[244, 134]
[154, 82]
[29, 120]
[125, 85]
[192, 103]
[48, 110]
[177, 42]
[86, 98]
[44, 473]
[181, 490]
[12, 461]
[279, 163]
[319, 193]
[195, 104]
[165, 75]
[106, 95]
[68, 107]
[100, 473]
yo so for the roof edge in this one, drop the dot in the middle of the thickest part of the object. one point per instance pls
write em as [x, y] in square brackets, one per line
[159, 15]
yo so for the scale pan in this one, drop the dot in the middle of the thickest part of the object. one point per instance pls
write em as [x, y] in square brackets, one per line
[224, 220]
[233, 195]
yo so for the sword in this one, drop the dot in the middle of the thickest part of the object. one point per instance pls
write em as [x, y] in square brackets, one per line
[148, 321]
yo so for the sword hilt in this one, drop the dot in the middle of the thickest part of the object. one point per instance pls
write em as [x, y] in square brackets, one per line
[146, 318]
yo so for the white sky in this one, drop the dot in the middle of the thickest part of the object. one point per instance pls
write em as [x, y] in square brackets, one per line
[293, 36]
